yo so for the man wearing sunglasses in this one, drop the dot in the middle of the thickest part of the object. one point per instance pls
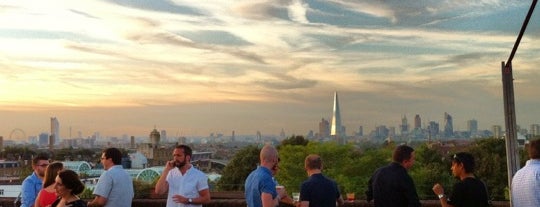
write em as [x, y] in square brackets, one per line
[469, 191]
[33, 183]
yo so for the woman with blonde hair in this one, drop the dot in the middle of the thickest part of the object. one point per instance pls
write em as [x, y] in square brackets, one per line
[47, 195]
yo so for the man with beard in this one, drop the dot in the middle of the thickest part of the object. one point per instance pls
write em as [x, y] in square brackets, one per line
[33, 183]
[114, 187]
[186, 185]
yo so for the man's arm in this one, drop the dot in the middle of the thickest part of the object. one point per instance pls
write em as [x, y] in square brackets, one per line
[268, 201]
[203, 198]
[98, 201]
[102, 189]
[162, 186]
[28, 194]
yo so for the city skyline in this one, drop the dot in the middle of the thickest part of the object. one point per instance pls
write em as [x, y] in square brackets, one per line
[192, 68]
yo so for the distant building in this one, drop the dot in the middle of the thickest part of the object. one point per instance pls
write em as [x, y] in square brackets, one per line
[163, 136]
[472, 127]
[404, 127]
[448, 126]
[433, 129]
[417, 122]
[337, 130]
[535, 130]
[43, 139]
[497, 131]
[324, 128]
[55, 130]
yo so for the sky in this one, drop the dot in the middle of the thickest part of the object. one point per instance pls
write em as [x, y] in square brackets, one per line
[215, 66]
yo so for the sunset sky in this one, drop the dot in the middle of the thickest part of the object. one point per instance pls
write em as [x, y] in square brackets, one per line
[196, 67]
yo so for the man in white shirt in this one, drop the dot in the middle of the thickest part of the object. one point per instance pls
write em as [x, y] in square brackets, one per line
[187, 186]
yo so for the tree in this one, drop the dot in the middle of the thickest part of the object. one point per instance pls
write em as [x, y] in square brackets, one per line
[237, 170]
[294, 140]
[430, 167]
[490, 157]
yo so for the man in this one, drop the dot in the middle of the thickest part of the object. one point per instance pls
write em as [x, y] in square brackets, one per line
[33, 183]
[260, 187]
[318, 190]
[391, 186]
[526, 182]
[187, 186]
[114, 187]
[469, 191]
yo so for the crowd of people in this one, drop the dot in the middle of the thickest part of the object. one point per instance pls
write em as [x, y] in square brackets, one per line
[50, 185]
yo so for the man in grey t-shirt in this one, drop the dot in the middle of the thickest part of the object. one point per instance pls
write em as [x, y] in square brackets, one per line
[115, 187]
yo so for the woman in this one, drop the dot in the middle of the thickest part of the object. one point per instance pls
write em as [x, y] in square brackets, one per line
[68, 186]
[47, 195]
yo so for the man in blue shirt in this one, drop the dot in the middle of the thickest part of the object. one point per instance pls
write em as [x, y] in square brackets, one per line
[260, 187]
[33, 183]
[114, 187]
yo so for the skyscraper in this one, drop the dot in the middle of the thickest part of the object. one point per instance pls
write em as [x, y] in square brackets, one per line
[155, 137]
[324, 128]
[448, 126]
[55, 130]
[404, 127]
[336, 130]
[472, 126]
[417, 122]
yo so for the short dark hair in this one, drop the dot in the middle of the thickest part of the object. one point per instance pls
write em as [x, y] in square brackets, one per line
[313, 162]
[466, 159]
[113, 153]
[71, 180]
[187, 149]
[534, 149]
[40, 156]
[402, 153]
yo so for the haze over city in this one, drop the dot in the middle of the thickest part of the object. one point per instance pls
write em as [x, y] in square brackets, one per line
[193, 68]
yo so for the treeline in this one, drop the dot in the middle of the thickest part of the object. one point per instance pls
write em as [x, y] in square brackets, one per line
[351, 166]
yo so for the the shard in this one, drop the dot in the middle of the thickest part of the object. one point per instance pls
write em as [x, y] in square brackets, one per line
[336, 128]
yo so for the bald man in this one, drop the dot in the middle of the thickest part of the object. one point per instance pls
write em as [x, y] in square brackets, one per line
[260, 188]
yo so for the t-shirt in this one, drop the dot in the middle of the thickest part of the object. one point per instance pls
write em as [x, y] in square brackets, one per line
[319, 191]
[470, 192]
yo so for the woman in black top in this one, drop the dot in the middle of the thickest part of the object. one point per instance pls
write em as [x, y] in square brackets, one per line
[68, 186]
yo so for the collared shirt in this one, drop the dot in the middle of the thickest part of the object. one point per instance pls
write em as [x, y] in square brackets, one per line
[116, 185]
[259, 181]
[319, 191]
[30, 188]
[187, 185]
[391, 186]
[526, 185]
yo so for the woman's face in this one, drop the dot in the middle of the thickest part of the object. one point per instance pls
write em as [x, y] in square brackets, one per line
[60, 188]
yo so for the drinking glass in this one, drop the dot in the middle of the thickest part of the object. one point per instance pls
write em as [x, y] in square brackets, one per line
[350, 197]
[296, 196]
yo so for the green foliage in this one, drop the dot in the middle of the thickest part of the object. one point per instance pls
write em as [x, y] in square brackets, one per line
[87, 194]
[430, 167]
[143, 189]
[490, 158]
[237, 170]
[294, 140]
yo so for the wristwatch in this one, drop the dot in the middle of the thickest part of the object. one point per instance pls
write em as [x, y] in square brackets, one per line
[441, 196]
[189, 200]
